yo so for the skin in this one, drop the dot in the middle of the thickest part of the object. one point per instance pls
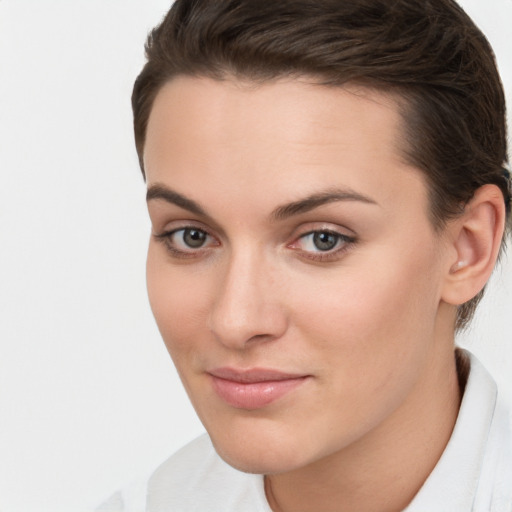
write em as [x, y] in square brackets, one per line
[366, 322]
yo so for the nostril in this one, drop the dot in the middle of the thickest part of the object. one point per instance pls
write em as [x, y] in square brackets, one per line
[261, 337]
[247, 330]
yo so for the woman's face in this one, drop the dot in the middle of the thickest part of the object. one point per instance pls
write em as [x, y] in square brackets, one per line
[292, 268]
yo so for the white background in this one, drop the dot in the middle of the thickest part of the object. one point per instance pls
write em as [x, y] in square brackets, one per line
[88, 396]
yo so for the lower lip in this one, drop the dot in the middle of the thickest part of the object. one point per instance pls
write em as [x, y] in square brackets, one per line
[254, 395]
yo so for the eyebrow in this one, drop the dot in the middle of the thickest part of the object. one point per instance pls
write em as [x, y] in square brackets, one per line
[158, 191]
[319, 199]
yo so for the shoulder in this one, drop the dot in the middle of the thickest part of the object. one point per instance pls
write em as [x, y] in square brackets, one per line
[483, 400]
[131, 498]
[475, 470]
[495, 485]
[194, 479]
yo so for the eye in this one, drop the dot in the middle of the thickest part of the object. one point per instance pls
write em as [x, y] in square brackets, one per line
[323, 244]
[321, 240]
[186, 242]
[190, 238]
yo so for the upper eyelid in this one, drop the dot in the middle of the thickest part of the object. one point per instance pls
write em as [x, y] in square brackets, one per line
[342, 236]
[184, 228]
[297, 233]
[320, 201]
[326, 230]
[169, 228]
[164, 217]
[315, 227]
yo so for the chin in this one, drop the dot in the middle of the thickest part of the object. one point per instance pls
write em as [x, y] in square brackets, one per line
[258, 463]
[259, 456]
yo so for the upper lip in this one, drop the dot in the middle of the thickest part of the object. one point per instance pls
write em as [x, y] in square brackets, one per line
[252, 375]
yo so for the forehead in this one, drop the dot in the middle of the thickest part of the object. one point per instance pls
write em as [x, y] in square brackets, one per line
[297, 111]
[294, 134]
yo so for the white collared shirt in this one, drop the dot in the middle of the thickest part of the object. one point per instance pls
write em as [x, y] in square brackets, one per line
[474, 473]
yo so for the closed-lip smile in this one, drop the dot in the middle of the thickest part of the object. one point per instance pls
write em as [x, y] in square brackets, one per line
[253, 388]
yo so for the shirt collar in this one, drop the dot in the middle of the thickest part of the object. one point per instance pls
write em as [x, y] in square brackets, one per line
[455, 479]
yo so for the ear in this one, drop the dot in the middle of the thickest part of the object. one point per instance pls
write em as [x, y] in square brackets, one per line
[476, 238]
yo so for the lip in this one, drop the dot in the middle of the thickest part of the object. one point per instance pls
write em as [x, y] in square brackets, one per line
[254, 388]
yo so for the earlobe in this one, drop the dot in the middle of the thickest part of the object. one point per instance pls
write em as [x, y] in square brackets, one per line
[476, 237]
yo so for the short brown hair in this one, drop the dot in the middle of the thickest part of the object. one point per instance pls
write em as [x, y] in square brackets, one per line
[427, 52]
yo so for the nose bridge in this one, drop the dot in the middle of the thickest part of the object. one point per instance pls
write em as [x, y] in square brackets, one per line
[246, 305]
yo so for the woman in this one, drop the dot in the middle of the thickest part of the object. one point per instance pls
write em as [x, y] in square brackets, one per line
[328, 193]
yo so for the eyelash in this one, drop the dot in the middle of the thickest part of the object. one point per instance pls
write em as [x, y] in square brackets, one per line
[345, 242]
[166, 239]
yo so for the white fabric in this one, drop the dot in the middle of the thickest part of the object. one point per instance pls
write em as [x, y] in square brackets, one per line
[474, 473]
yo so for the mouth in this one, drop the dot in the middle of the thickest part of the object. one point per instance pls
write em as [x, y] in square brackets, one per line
[255, 388]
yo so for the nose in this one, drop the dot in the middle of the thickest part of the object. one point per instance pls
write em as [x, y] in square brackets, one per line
[246, 307]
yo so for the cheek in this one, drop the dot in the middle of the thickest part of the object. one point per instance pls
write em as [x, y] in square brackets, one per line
[178, 300]
[374, 313]
[368, 333]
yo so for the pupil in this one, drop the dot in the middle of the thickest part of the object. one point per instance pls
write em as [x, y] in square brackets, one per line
[194, 237]
[325, 241]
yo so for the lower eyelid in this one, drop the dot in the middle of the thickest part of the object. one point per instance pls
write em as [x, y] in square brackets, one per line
[345, 244]
[185, 253]
[328, 256]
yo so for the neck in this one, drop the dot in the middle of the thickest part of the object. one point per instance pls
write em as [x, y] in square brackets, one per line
[385, 469]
